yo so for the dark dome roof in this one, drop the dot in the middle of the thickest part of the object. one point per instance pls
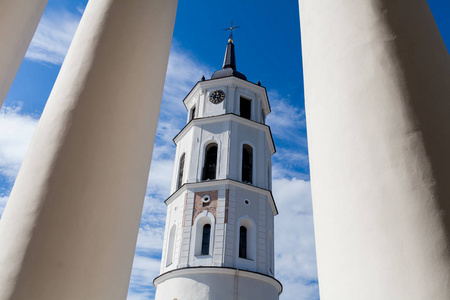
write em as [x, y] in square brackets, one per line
[227, 73]
[229, 64]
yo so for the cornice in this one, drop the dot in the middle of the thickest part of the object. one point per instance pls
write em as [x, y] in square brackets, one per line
[215, 182]
[237, 82]
[218, 270]
[227, 117]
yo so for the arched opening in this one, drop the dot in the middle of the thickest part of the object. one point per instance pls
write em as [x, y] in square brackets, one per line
[246, 243]
[247, 163]
[170, 246]
[270, 253]
[243, 242]
[181, 171]
[206, 234]
[192, 114]
[203, 236]
[209, 168]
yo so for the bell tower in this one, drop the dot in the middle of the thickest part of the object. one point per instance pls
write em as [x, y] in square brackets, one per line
[219, 234]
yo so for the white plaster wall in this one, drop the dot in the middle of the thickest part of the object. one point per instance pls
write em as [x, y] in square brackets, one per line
[187, 232]
[211, 109]
[257, 139]
[175, 212]
[257, 211]
[70, 226]
[377, 89]
[225, 235]
[230, 137]
[234, 88]
[213, 284]
[186, 145]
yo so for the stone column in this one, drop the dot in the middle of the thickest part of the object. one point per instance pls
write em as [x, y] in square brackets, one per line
[18, 22]
[377, 83]
[70, 226]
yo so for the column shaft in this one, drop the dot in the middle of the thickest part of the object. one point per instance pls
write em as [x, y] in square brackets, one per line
[18, 22]
[70, 226]
[377, 94]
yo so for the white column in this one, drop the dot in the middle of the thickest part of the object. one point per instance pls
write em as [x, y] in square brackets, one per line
[377, 83]
[70, 226]
[18, 22]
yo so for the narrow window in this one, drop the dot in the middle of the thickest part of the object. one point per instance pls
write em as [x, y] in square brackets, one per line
[209, 169]
[170, 246]
[270, 253]
[247, 163]
[205, 239]
[192, 113]
[263, 117]
[245, 108]
[243, 242]
[181, 171]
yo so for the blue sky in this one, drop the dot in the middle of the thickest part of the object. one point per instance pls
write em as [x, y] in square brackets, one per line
[267, 49]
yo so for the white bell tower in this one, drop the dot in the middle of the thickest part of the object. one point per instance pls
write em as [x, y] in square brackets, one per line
[219, 235]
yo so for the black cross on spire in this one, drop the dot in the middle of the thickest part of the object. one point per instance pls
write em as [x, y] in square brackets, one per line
[231, 28]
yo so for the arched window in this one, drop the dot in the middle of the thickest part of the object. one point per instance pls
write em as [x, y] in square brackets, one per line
[243, 242]
[206, 234]
[181, 171]
[247, 163]
[203, 234]
[192, 114]
[270, 253]
[170, 246]
[209, 169]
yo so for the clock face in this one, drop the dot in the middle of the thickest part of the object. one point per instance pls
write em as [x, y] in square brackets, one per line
[217, 96]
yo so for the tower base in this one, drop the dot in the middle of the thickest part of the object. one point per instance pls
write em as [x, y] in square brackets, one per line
[218, 283]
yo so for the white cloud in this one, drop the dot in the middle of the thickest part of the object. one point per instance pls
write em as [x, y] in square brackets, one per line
[295, 261]
[81, 8]
[286, 120]
[16, 131]
[53, 37]
[160, 177]
[3, 201]
[294, 237]
[289, 164]
[145, 269]
[151, 231]
[183, 71]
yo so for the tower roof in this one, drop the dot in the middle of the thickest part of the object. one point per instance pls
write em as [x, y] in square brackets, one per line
[229, 64]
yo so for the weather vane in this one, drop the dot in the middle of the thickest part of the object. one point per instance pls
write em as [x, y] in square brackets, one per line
[231, 28]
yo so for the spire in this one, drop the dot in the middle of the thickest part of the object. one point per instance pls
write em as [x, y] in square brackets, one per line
[229, 60]
[229, 63]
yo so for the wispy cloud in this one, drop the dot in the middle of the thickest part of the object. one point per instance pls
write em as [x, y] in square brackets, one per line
[145, 269]
[53, 37]
[16, 130]
[286, 120]
[288, 124]
[3, 201]
[295, 253]
[80, 8]
[294, 240]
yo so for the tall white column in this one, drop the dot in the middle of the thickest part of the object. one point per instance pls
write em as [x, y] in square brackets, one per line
[377, 83]
[70, 226]
[18, 22]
